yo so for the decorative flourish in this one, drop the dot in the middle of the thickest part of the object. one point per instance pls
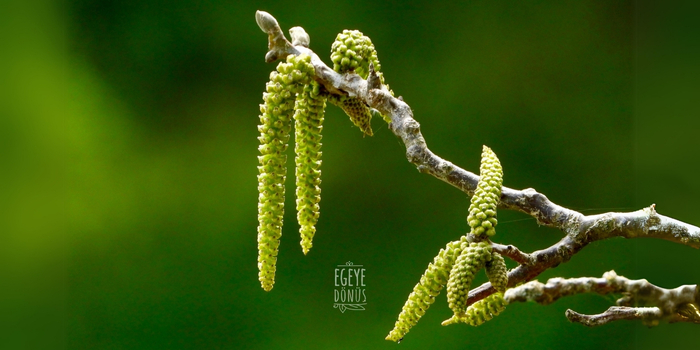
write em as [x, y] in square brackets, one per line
[351, 307]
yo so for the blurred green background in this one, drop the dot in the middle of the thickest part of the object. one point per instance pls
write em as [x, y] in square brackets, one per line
[128, 167]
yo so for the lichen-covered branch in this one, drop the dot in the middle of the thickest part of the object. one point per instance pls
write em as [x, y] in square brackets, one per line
[513, 253]
[648, 315]
[651, 303]
[587, 229]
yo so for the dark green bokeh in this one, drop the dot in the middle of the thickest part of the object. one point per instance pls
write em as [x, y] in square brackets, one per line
[128, 177]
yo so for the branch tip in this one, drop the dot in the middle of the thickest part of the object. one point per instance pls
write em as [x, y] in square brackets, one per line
[373, 80]
[265, 21]
[649, 315]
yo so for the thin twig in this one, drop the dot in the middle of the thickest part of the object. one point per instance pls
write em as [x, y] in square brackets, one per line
[616, 313]
[513, 253]
[674, 305]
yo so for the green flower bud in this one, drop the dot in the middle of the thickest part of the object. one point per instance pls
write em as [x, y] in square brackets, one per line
[482, 211]
[424, 293]
[497, 272]
[472, 259]
[359, 51]
[265, 21]
[308, 118]
[480, 312]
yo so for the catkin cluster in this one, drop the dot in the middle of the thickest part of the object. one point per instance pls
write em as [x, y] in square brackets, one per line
[424, 293]
[353, 52]
[293, 93]
[457, 265]
[290, 87]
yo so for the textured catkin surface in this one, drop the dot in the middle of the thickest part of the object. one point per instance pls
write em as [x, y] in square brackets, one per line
[497, 272]
[472, 259]
[480, 312]
[482, 211]
[310, 106]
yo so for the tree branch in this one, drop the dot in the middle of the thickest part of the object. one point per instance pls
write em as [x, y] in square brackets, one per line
[615, 313]
[513, 253]
[580, 229]
[674, 305]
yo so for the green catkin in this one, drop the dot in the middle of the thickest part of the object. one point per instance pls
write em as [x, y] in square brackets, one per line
[275, 127]
[482, 211]
[472, 259]
[310, 106]
[352, 51]
[497, 272]
[424, 293]
[480, 312]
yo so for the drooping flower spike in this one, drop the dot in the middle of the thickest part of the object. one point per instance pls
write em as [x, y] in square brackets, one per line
[308, 118]
[275, 127]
